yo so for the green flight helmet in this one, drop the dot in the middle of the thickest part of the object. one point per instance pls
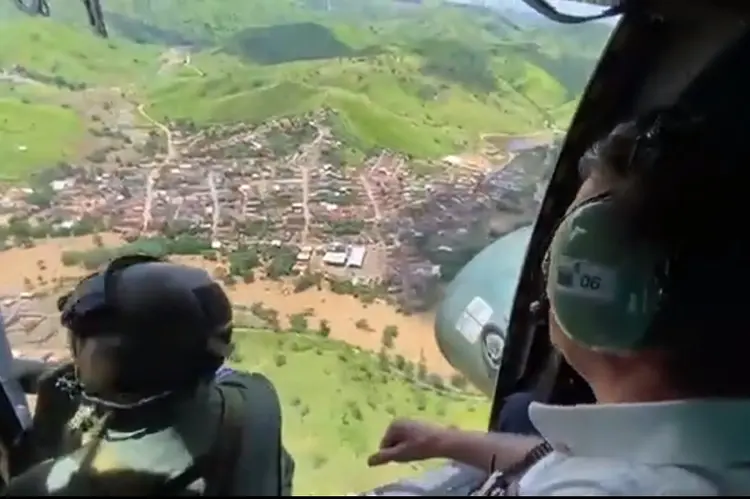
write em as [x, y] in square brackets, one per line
[603, 292]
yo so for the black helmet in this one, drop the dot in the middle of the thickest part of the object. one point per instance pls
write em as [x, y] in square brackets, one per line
[173, 322]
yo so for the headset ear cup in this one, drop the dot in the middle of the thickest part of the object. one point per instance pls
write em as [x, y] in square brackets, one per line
[602, 292]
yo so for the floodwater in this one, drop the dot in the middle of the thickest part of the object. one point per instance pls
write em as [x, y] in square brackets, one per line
[41, 268]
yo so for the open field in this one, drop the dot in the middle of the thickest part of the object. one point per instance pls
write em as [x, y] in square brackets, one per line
[34, 134]
[337, 402]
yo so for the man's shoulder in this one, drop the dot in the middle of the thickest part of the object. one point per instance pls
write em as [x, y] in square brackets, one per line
[563, 475]
[227, 377]
[258, 469]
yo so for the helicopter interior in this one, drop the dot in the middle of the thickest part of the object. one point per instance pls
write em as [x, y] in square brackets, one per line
[660, 52]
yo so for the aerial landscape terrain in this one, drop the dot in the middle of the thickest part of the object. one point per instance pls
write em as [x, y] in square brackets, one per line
[334, 163]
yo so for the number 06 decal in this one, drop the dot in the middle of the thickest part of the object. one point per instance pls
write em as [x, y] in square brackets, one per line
[586, 279]
[590, 282]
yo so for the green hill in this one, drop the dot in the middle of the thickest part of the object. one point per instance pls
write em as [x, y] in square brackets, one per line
[336, 403]
[74, 55]
[45, 63]
[388, 100]
[427, 82]
[424, 80]
[33, 134]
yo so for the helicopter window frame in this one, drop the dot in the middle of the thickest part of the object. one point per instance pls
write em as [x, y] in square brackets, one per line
[551, 379]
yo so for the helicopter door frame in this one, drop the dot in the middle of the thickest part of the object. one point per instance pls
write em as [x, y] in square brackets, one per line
[599, 110]
[650, 62]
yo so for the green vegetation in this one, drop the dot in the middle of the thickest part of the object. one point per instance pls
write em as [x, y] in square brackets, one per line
[155, 246]
[425, 81]
[336, 403]
[49, 63]
[55, 50]
[396, 99]
[32, 134]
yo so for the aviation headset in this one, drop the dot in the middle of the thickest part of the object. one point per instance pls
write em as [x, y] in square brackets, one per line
[605, 292]
[201, 342]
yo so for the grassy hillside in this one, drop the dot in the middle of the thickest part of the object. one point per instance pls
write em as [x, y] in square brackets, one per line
[381, 101]
[425, 80]
[32, 134]
[44, 66]
[336, 403]
[74, 55]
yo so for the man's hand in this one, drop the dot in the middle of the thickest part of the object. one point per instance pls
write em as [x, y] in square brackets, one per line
[406, 440]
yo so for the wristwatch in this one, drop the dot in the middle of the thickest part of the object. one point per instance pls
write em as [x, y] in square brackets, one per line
[501, 483]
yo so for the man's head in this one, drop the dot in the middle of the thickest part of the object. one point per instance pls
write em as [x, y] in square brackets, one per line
[142, 327]
[634, 265]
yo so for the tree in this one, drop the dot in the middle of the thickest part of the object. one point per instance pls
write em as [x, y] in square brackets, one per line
[19, 228]
[422, 367]
[390, 333]
[363, 325]
[298, 323]
[384, 362]
[400, 362]
[242, 262]
[306, 281]
[436, 381]
[41, 197]
[324, 329]
[70, 258]
[459, 381]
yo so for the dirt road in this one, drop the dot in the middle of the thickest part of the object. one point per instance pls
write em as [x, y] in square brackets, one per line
[154, 173]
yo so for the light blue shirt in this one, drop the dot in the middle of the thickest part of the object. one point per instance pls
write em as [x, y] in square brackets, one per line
[685, 448]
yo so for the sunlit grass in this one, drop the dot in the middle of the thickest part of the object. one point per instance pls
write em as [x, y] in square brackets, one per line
[33, 135]
[337, 401]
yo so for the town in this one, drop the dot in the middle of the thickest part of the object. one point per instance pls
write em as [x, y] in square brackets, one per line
[285, 184]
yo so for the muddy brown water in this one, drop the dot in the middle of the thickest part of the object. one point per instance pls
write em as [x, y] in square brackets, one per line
[42, 264]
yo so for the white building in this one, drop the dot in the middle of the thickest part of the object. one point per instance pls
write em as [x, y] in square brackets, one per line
[335, 258]
[356, 256]
[303, 256]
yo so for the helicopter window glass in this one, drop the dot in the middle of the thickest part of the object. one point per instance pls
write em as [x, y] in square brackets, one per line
[361, 176]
